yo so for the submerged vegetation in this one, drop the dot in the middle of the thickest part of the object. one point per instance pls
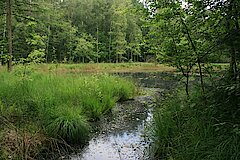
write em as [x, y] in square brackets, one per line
[38, 107]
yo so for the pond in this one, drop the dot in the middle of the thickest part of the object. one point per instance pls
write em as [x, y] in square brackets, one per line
[121, 135]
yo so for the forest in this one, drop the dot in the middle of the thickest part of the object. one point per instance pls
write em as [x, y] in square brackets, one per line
[74, 31]
[65, 66]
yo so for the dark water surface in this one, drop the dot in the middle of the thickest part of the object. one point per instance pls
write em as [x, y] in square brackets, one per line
[122, 134]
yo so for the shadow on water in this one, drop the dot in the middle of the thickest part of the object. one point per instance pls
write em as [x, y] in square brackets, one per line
[121, 134]
[163, 80]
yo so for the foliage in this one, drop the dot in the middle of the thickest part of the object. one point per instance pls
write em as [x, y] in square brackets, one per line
[189, 33]
[73, 90]
[85, 48]
[184, 34]
[37, 56]
[203, 125]
[62, 29]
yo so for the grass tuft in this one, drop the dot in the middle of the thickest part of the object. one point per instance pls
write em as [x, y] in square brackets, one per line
[67, 123]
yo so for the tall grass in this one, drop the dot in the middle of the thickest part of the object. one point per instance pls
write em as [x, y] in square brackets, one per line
[61, 105]
[188, 128]
[68, 123]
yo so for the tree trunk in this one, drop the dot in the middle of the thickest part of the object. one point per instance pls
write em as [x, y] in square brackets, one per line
[47, 45]
[97, 42]
[9, 32]
[195, 51]
[201, 74]
[232, 21]
[187, 84]
[109, 47]
[233, 64]
[185, 74]
[2, 51]
[237, 50]
[132, 56]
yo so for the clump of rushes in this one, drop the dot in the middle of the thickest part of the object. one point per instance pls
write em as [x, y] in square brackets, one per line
[67, 123]
[63, 105]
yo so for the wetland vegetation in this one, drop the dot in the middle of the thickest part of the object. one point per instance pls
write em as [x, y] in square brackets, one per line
[54, 107]
[68, 65]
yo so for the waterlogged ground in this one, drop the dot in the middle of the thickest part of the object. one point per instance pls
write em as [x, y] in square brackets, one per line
[121, 135]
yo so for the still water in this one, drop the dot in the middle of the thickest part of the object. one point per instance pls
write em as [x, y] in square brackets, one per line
[122, 135]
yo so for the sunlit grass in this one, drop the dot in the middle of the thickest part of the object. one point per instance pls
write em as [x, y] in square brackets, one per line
[104, 67]
[61, 105]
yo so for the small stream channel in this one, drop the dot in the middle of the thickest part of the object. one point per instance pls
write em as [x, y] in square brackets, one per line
[121, 135]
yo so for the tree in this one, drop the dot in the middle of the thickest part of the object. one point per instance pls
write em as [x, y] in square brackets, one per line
[85, 48]
[133, 34]
[113, 26]
[118, 32]
[9, 31]
[172, 43]
[192, 32]
[3, 42]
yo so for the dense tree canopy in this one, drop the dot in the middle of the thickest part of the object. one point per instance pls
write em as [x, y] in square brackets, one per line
[181, 33]
[70, 30]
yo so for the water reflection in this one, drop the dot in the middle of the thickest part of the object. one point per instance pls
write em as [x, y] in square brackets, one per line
[163, 80]
[121, 135]
[129, 143]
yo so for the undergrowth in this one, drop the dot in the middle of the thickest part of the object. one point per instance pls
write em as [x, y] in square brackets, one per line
[199, 126]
